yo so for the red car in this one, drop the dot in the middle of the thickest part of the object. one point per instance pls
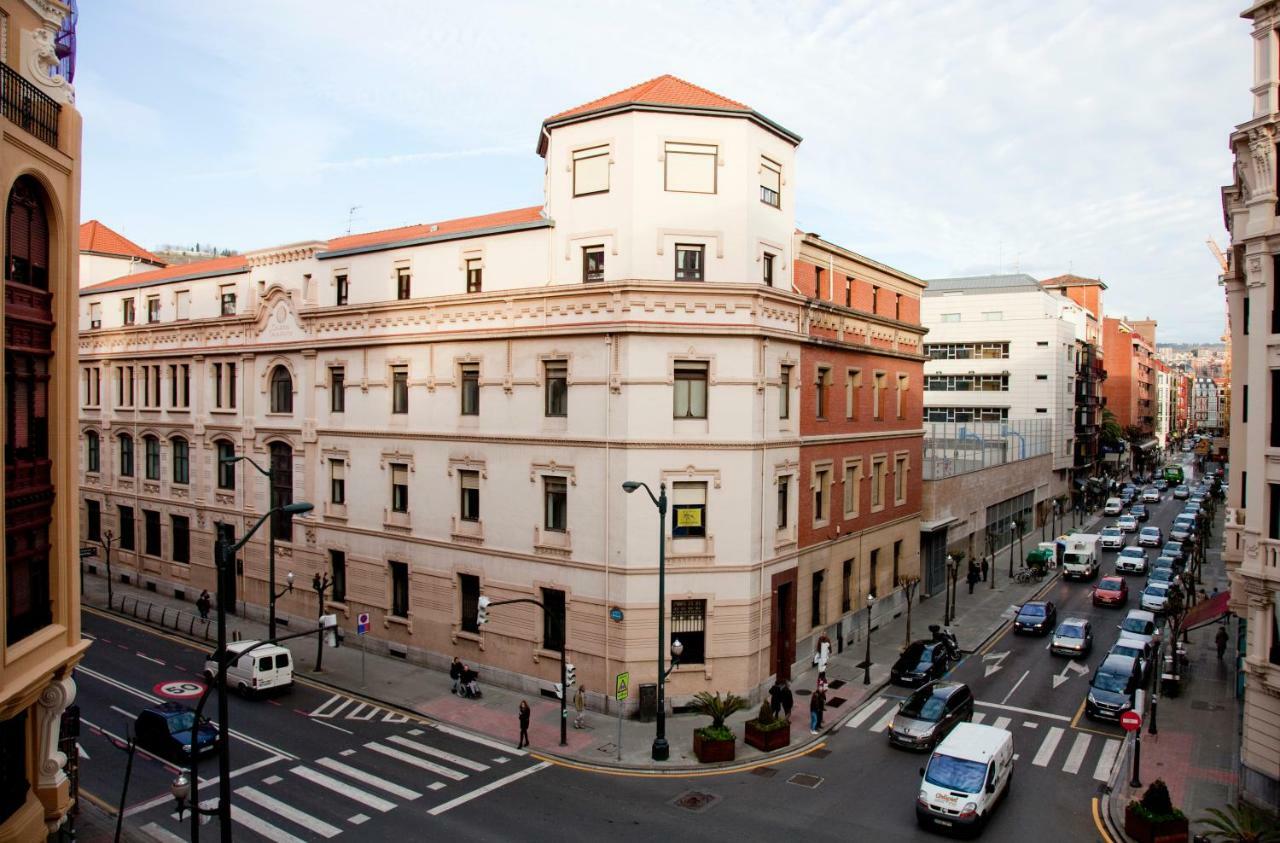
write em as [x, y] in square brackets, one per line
[1111, 591]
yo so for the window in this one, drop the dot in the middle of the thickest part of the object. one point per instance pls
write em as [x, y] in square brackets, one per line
[182, 304]
[966, 414]
[93, 452]
[592, 263]
[399, 488]
[871, 573]
[555, 505]
[824, 379]
[784, 393]
[337, 482]
[227, 295]
[688, 510]
[403, 282]
[767, 268]
[821, 495]
[1042, 377]
[900, 464]
[470, 389]
[126, 527]
[469, 506]
[877, 400]
[180, 386]
[1042, 409]
[875, 299]
[399, 589]
[180, 527]
[151, 457]
[556, 397]
[770, 182]
[475, 275]
[281, 490]
[153, 309]
[784, 506]
[126, 455]
[14, 784]
[950, 317]
[338, 575]
[281, 390]
[591, 170]
[337, 389]
[151, 387]
[690, 167]
[897, 558]
[231, 385]
[901, 396]
[689, 626]
[1042, 343]
[181, 460]
[95, 315]
[816, 582]
[469, 594]
[1273, 501]
[226, 469]
[897, 306]
[852, 393]
[967, 350]
[846, 586]
[217, 385]
[1244, 327]
[848, 291]
[127, 312]
[400, 390]
[817, 281]
[151, 532]
[93, 520]
[852, 488]
[689, 262]
[341, 292]
[878, 471]
[690, 390]
[553, 618]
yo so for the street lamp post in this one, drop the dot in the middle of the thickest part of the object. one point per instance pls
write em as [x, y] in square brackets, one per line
[661, 749]
[1013, 529]
[107, 538]
[320, 585]
[947, 590]
[271, 548]
[866, 664]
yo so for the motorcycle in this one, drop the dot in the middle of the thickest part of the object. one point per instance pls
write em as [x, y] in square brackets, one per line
[947, 637]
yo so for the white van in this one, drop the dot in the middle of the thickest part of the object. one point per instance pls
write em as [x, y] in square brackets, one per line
[968, 774]
[268, 668]
[1113, 506]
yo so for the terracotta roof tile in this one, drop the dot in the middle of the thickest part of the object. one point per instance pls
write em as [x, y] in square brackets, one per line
[213, 266]
[664, 90]
[96, 237]
[436, 229]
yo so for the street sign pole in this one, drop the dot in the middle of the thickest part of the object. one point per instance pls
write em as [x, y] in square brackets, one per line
[362, 627]
[621, 690]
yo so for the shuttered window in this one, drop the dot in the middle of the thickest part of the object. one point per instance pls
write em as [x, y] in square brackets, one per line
[691, 167]
[591, 170]
[770, 182]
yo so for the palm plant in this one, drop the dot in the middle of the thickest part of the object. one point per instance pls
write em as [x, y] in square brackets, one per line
[1240, 823]
[719, 709]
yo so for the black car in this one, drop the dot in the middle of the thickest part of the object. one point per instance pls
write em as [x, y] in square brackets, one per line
[1037, 617]
[1140, 511]
[930, 713]
[165, 730]
[1112, 687]
[922, 661]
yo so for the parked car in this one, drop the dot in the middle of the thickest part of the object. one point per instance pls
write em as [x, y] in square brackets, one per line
[1036, 616]
[1192, 508]
[1151, 537]
[1132, 560]
[1151, 495]
[1161, 575]
[922, 662]
[166, 730]
[1127, 524]
[1182, 530]
[1112, 687]
[1113, 506]
[1140, 626]
[1164, 562]
[1173, 550]
[1181, 492]
[1133, 650]
[930, 713]
[1111, 591]
[1073, 637]
[1112, 538]
[1154, 596]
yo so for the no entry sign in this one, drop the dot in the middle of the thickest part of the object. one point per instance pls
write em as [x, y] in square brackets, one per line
[1131, 721]
[180, 689]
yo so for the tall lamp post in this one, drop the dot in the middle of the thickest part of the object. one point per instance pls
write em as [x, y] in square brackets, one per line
[866, 664]
[661, 749]
[271, 547]
[947, 591]
[320, 585]
[107, 538]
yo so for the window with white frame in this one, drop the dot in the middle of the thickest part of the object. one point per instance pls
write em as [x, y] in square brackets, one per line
[555, 493]
[900, 467]
[556, 379]
[784, 503]
[337, 389]
[337, 482]
[688, 509]
[404, 281]
[399, 487]
[227, 298]
[591, 170]
[821, 495]
[784, 393]
[770, 182]
[690, 167]
[182, 304]
[469, 506]
[879, 470]
[592, 263]
[399, 390]
[127, 313]
[470, 376]
[766, 269]
[341, 290]
[690, 262]
[690, 390]
[852, 488]
[95, 315]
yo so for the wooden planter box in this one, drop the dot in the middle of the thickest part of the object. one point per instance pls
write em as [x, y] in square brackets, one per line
[711, 751]
[1142, 830]
[767, 740]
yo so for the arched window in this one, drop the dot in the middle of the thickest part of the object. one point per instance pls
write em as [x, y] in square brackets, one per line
[181, 460]
[93, 452]
[281, 390]
[281, 489]
[126, 455]
[151, 449]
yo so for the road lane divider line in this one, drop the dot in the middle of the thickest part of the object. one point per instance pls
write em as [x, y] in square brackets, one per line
[883, 722]
[369, 779]
[1109, 751]
[313, 824]
[261, 826]
[489, 788]
[865, 712]
[1028, 711]
[148, 658]
[343, 789]
[415, 761]
[456, 760]
[1024, 675]
[1075, 757]
[331, 726]
[117, 739]
[1048, 746]
[467, 736]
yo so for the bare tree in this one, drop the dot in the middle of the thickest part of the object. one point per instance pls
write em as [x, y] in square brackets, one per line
[909, 583]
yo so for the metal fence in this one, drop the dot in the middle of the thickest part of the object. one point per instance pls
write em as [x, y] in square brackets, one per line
[952, 448]
[25, 105]
[167, 617]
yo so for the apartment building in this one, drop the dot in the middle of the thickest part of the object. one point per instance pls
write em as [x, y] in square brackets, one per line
[462, 401]
[1251, 542]
[1129, 391]
[106, 254]
[1090, 373]
[1206, 401]
[40, 609]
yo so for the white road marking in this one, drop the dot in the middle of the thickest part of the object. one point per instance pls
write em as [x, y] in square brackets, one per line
[998, 658]
[347, 752]
[436, 786]
[289, 812]
[1106, 759]
[266, 829]
[248, 768]
[883, 722]
[272, 780]
[331, 726]
[90, 637]
[978, 717]
[489, 788]
[865, 712]
[80, 749]
[1028, 711]
[456, 760]
[148, 658]
[415, 761]
[369, 779]
[1001, 723]
[323, 709]
[1015, 687]
[392, 717]
[415, 732]
[467, 736]
[355, 713]
[342, 788]
[162, 834]
[501, 759]
[1069, 667]
[118, 710]
[1030, 724]
[358, 819]
[1076, 756]
[1048, 746]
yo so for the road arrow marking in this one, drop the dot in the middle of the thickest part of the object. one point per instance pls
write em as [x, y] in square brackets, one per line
[994, 657]
[80, 749]
[1070, 666]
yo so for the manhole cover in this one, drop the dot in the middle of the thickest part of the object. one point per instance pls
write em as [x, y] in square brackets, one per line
[805, 780]
[1205, 705]
[835, 702]
[695, 800]
[836, 684]
[820, 753]
[803, 692]
[764, 772]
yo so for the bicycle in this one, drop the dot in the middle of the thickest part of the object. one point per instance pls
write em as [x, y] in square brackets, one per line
[1022, 575]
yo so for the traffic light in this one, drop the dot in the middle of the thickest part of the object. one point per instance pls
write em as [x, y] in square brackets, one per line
[570, 675]
[482, 611]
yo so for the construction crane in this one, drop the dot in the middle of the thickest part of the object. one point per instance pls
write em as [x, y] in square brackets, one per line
[1217, 253]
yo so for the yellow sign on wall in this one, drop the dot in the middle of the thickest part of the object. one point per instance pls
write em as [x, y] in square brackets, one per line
[622, 686]
[689, 516]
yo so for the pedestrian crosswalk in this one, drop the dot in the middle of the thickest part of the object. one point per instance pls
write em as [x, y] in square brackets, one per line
[348, 708]
[1055, 744]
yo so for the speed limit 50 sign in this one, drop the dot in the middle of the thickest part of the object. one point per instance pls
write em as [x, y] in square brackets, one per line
[180, 689]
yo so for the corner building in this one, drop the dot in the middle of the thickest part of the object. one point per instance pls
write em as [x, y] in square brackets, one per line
[463, 400]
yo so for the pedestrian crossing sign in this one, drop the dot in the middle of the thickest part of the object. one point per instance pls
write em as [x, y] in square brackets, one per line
[621, 686]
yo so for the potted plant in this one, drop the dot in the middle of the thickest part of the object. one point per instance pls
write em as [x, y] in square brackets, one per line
[1154, 817]
[715, 742]
[1240, 823]
[766, 732]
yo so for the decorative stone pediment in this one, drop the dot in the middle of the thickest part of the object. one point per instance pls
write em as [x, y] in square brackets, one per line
[277, 318]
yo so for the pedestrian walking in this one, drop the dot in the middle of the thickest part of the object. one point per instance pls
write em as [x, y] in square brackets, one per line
[775, 698]
[787, 700]
[816, 704]
[524, 725]
[972, 578]
[822, 682]
[203, 602]
[579, 705]
[455, 674]
[985, 568]
[1221, 641]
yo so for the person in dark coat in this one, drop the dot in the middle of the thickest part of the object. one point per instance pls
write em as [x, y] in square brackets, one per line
[775, 698]
[455, 673]
[972, 578]
[787, 700]
[524, 725]
[203, 603]
[1221, 641]
[985, 568]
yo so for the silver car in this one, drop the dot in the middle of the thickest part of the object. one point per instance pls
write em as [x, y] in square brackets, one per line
[1073, 637]
[1154, 596]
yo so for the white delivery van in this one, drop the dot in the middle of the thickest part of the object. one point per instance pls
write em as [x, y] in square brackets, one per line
[268, 668]
[1080, 555]
[968, 774]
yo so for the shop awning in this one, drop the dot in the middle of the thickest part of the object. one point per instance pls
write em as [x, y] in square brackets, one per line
[1208, 611]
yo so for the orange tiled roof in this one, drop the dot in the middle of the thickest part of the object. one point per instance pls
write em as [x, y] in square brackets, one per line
[436, 229]
[1070, 280]
[213, 266]
[664, 90]
[96, 237]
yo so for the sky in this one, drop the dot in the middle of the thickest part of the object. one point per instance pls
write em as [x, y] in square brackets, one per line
[943, 138]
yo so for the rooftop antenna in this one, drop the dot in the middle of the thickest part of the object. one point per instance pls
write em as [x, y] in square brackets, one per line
[351, 215]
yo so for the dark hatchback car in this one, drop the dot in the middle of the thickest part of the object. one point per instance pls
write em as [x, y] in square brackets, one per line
[1140, 511]
[1112, 687]
[165, 730]
[922, 661]
[1037, 617]
[930, 713]
[1173, 550]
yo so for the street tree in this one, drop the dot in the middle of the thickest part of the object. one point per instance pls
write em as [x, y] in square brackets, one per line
[909, 583]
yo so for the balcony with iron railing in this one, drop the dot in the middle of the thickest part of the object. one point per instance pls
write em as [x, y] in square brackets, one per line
[27, 107]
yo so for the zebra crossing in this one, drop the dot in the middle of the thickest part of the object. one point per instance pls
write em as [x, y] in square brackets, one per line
[875, 717]
[343, 707]
[319, 799]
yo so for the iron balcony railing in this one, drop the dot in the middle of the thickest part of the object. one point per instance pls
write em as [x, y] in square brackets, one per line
[25, 105]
